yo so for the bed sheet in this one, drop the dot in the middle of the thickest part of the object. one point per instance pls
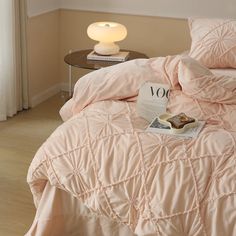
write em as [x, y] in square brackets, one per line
[60, 214]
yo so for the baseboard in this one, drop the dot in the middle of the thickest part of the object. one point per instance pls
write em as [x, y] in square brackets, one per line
[64, 87]
[43, 96]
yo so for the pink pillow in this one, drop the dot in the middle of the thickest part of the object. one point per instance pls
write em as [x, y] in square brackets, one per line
[213, 42]
[200, 83]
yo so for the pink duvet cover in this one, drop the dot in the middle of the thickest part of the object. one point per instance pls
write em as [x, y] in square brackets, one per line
[154, 184]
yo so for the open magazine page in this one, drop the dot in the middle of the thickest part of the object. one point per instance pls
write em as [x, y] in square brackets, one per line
[157, 127]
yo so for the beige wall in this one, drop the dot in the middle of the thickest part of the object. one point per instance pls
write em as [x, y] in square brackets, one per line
[154, 36]
[43, 54]
[164, 8]
[52, 35]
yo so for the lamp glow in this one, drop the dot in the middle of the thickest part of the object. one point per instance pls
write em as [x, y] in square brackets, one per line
[106, 33]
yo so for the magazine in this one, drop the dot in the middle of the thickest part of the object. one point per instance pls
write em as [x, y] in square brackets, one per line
[156, 127]
[152, 100]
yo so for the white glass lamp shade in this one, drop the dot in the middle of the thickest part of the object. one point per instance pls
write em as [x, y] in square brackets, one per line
[107, 33]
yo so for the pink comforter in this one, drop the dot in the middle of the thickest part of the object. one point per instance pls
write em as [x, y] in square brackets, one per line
[156, 184]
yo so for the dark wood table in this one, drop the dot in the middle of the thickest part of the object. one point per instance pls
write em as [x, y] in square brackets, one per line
[79, 59]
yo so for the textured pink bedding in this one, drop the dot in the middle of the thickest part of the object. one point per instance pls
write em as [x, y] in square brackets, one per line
[154, 184]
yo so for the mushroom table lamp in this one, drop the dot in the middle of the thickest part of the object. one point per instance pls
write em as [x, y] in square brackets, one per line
[107, 33]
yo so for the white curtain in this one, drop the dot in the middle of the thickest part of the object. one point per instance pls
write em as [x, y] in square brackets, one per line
[13, 63]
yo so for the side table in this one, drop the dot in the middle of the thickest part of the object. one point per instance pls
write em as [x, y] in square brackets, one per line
[79, 59]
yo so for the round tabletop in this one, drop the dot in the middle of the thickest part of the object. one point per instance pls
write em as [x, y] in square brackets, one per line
[79, 59]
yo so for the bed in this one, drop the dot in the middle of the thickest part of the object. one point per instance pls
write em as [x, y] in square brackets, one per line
[101, 173]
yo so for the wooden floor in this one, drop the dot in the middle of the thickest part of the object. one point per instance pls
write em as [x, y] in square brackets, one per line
[20, 137]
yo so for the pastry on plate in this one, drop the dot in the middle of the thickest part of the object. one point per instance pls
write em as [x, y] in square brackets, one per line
[180, 120]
